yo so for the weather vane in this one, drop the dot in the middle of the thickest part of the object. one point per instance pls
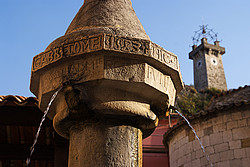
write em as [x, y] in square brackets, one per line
[204, 32]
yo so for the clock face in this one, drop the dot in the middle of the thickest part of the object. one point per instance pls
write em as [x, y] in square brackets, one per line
[199, 64]
[214, 61]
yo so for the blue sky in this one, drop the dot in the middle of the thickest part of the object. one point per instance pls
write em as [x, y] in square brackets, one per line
[29, 26]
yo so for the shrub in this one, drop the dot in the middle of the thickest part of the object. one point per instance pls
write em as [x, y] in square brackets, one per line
[189, 101]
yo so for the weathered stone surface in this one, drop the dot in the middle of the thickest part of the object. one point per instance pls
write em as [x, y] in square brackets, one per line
[196, 162]
[130, 48]
[204, 161]
[208, 131]
[216, 138]
[236, 162]
[205, 141]
[239, 153]
[241, 133]
[215, 158]
[232, 125]
[245, 143]
[227, 155]
[245, 162]
[115, 81]
[234, 144]
[135, 77]
[224, 146]
[209, 150]
[242, 123]
[221, 147]
[116, 16]
[95, 102]
[227, 136]
[223, 164]
[118, 146]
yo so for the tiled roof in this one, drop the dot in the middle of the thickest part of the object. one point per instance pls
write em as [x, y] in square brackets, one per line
[11, 100]
[234, 97]
[221, 102]
[19, 121]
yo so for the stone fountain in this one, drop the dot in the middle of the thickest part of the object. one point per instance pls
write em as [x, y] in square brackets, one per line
[116, 83]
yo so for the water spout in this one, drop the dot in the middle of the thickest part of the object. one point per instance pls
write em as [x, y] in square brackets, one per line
[202, 147]
[32, 148]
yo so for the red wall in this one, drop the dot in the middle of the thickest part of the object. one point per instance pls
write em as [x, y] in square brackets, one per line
[155, 160]
[154, 152]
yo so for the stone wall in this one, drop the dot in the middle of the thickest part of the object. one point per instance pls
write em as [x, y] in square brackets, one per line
[215, 71]
[225, 136]
[200, 71]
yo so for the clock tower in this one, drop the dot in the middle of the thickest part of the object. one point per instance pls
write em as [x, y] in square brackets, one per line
[207, 64]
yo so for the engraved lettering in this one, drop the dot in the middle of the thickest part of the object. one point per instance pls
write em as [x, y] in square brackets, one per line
[83, 70]
[95, 43]
[112, 42]
[164, 56]
[122, 44]
[130, 45]
[66, 50]
[58, 53]
[136, 46]
[84, 45]
[36, 62]
[77, 47]
[127, 45]
[147, 48]
[71, 46]
[109, 41]
[160, 55]
[151, 73]
[44, 58]
[117, 44]
[50, 56]
[156, 78]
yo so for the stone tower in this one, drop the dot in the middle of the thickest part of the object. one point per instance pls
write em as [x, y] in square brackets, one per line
[208, 66]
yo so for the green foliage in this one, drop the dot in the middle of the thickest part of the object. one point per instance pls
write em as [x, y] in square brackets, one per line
[190, 101]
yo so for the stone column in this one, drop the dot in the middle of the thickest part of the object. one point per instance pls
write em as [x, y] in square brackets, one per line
[116, 83]
[104, 136]
[104, 144]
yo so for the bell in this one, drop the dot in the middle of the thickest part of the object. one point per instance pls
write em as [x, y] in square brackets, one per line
[203, 31]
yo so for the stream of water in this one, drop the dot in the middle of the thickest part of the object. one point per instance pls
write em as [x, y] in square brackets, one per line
[202, 147]
[32, 148]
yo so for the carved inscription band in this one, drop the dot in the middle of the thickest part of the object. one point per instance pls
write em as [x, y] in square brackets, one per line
[86, 45]
[106, 42]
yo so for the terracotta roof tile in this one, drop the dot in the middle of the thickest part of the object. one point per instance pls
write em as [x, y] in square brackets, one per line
[234, 97]
[11, 100]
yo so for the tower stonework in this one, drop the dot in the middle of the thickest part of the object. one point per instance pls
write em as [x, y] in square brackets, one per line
[208, 66]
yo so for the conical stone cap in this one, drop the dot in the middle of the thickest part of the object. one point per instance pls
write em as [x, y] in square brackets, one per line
[109, 16]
